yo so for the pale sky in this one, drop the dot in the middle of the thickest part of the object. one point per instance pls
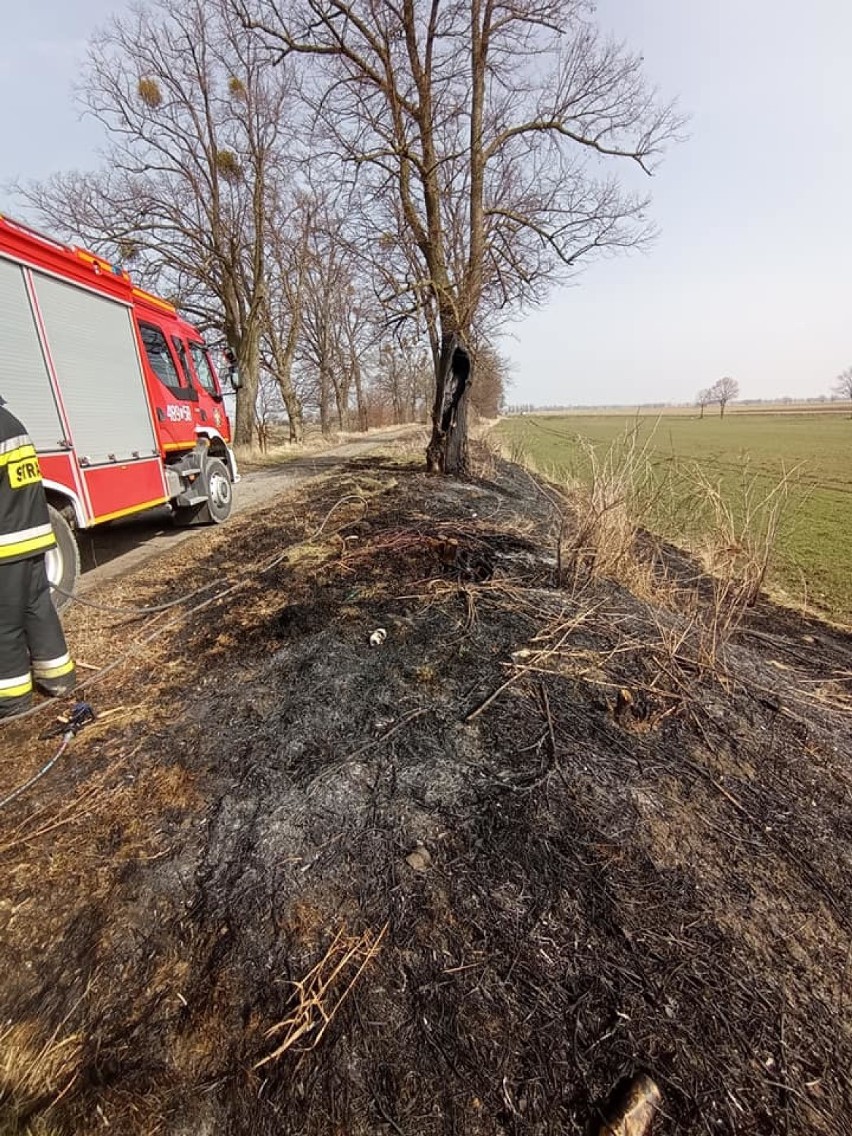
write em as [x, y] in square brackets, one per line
[748, 275]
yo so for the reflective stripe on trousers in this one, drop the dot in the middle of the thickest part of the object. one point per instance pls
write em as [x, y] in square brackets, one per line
[53, 668]
[16, 686]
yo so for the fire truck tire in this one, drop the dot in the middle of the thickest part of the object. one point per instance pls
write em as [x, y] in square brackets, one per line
[63, 561]
[220, 494]
[220, 497]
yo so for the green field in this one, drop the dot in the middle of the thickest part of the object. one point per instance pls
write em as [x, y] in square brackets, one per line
[813, 561]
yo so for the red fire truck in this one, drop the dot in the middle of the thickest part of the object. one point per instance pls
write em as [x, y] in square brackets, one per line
[118, 393]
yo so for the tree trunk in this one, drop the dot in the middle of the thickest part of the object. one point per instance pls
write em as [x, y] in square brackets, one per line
[248, 363]
[721, 410]
[325, 424]
[292, 403]
[363, 414]
[294, 417]
[341, 400]
[701, 415]
[447, 449]
[283, 355]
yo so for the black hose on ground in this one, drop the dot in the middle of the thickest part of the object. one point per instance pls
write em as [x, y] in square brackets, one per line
[120, 609]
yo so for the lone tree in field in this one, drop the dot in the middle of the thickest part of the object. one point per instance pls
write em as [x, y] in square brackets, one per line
[723, 391]
[843, 385]
[704, 398]
[480, 143]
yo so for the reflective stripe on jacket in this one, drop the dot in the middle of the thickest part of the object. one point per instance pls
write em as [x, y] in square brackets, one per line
[25, 528]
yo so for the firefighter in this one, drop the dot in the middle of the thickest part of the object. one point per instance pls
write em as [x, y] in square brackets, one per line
[32, 644]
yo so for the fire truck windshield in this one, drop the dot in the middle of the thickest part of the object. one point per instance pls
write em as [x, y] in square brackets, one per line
[159, 357]
[203, 368]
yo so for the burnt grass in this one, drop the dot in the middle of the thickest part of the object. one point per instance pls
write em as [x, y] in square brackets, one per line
[464, 881]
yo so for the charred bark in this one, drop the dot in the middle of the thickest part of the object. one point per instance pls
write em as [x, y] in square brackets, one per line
[447, 449]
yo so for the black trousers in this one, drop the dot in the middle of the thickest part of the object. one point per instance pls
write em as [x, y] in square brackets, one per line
[32, 643]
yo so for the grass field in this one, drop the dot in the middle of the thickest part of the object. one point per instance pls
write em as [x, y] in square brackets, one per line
[813, 560]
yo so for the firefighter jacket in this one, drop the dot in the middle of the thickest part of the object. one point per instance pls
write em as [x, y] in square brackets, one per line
[25, 528]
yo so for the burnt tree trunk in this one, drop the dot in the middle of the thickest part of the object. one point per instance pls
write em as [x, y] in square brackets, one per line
[447, 449]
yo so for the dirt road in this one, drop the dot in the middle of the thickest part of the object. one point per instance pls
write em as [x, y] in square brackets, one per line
[113, 549]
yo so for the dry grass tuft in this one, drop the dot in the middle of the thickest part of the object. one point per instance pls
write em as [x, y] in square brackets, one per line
[34, 1069]
[739, 530]
[607, 508]
[603, 533]
[319, 995]
[605, 521]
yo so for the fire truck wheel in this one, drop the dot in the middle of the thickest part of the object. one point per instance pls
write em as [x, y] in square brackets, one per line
[220, 498]
[63, 561]
[220, 493]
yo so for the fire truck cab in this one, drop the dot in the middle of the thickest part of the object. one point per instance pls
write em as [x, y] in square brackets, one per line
[117, 391]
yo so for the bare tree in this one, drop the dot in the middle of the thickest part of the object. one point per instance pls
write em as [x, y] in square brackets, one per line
[360, 332]
[476, 136]
[283, 302]
[488, 393]
[199, 144]
[403, 380]
[269, 409]
[843, 385]
[340, 326]
[326, 283]
[722, 391]
[704, 398]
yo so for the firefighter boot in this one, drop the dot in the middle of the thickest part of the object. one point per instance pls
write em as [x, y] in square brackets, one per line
[53, 667]
[55, 677]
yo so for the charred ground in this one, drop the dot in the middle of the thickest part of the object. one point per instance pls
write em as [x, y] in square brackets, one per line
[461, 882]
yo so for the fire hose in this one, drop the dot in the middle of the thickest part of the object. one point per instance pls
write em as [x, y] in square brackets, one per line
[68, 727]
[120, 609]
